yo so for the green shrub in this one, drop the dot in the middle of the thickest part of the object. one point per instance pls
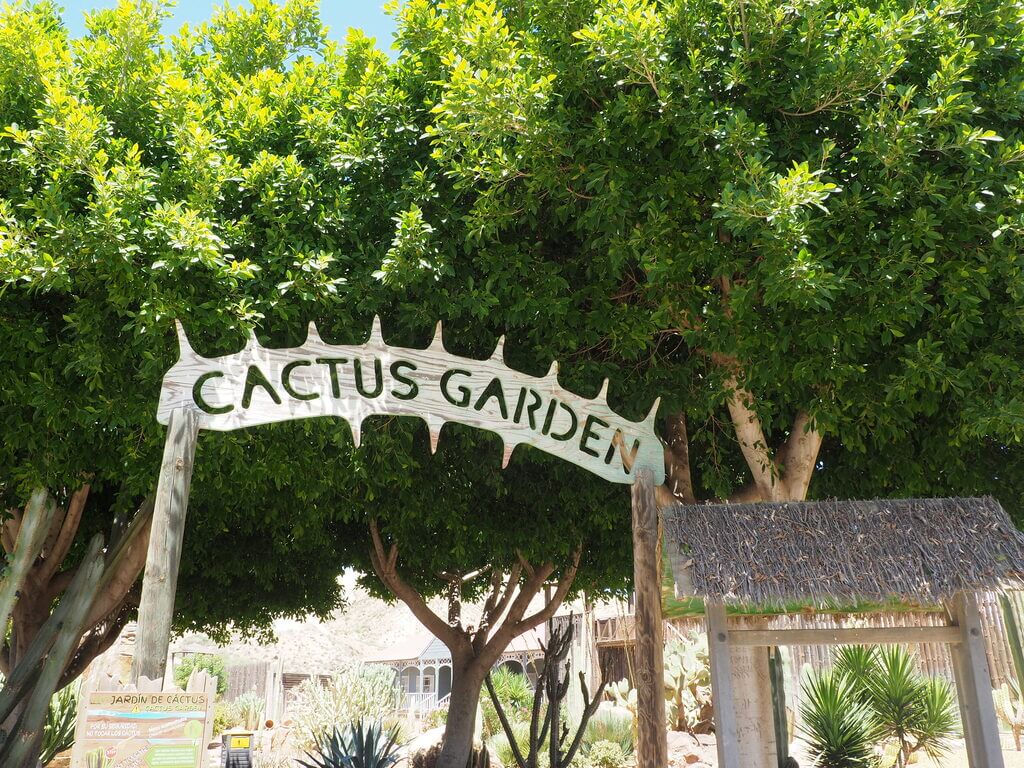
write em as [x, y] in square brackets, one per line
[913, 712]
[873, 698]
[356, 692]
[225, 717]
[208, 662]
[605, 754]
[435, 718]
[501, 747]
[515, 694]
[610, 725]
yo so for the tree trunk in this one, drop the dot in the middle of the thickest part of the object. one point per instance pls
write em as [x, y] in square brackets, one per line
[467, 680]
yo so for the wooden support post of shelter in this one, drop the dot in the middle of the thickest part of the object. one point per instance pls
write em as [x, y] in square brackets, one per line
[652, 741]
[720, 651]
[806, 555]
[159, 584]
[974, 686]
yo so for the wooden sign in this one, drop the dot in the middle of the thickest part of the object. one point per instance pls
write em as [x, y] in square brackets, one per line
[261, 386]
[130, 729]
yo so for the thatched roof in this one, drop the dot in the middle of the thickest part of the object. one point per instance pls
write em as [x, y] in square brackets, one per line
[921, 550]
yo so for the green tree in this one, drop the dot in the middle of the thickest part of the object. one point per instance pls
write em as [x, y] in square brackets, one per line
[122, 197]
[206, 662]
[800, 223]
[233, 180]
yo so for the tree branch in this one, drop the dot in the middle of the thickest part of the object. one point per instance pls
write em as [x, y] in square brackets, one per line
[6, 537]
[98, 640]
[799, 456]
[510, 588]
[493, 612]
[515, 624]
[549, 610]
[534, 581]
[124, 563]
[678, 486]
[59, 547]
[384, 565]
[747, 425]
[12, 528]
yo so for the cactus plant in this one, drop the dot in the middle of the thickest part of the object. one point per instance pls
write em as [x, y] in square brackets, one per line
[40, 669]
[688, 683]
[548, 727]
[1010, 710]
[1009, 697]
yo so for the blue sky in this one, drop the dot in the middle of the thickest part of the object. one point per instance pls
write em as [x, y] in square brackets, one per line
[339, 15]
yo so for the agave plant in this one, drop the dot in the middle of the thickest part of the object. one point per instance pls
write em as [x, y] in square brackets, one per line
[910, 713]
[840, 728]
[515, 694]
[361, 745]
[610, 725]
[916, 712]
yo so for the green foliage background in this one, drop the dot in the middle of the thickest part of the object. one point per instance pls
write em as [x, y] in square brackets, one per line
[579, 175]
[209, 663]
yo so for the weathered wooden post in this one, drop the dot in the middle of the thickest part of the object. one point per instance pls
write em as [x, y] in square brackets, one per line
[720, 651]
[974, 685]
[652, 741]
[160, 581]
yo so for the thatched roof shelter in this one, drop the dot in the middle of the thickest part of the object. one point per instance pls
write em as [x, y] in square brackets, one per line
[772, 554]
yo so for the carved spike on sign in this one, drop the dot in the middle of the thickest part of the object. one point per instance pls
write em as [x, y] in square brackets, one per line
[375, 332]
[184, 348]
[654, 412]
[260, 385]
[602, 396]
[437, 343]
[499, 349]
[252, 342]
[357, 437]
[506, 454]
[313, 334]
[434, 428]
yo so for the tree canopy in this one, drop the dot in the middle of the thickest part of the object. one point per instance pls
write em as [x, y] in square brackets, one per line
[246, 174]
[798, 223]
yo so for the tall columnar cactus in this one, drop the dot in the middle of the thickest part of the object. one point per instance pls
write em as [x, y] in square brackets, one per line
[546, 725]
[26, 693]
[35, 524]
[1009, 698]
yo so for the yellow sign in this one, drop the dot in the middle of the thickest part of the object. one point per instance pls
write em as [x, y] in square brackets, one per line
[239, 742]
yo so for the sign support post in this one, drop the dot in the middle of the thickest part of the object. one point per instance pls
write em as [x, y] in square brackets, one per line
[159, 584]
[652, 741]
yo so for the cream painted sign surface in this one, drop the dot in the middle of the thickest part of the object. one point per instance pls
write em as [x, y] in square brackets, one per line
[142, 730]
[260, 386]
